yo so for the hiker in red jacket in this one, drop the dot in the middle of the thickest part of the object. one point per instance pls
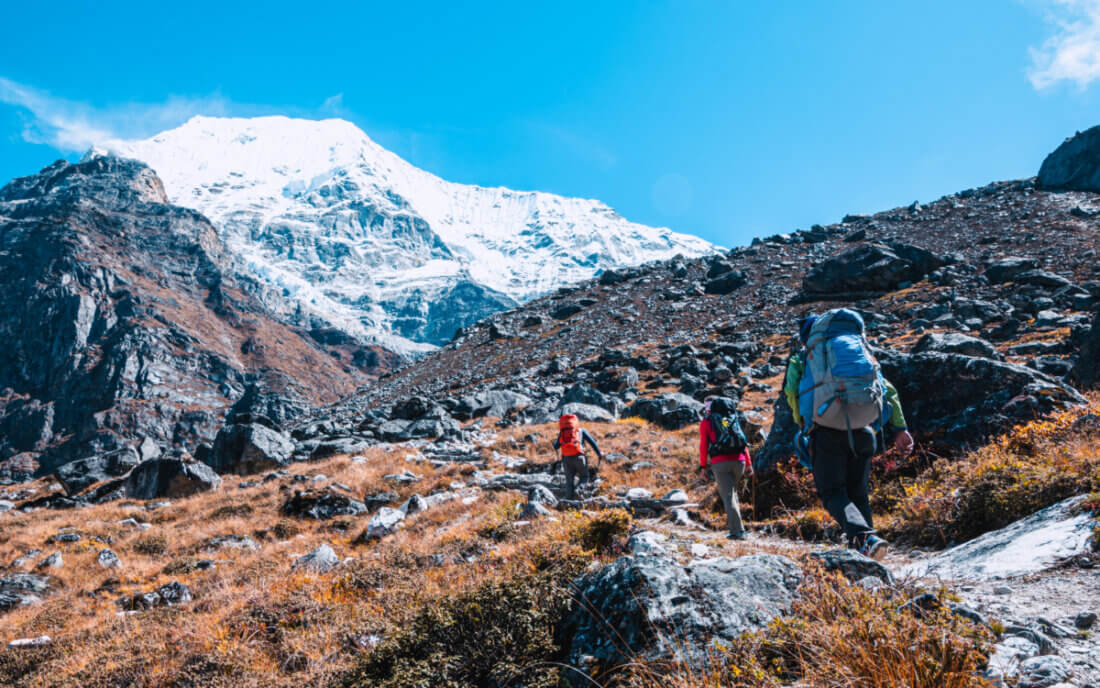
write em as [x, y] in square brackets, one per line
[724, 449]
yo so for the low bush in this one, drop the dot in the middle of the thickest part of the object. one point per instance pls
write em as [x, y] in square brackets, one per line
[1030, 468]
[839, 634]
[602, 532]
[151, 545]
[495, 635]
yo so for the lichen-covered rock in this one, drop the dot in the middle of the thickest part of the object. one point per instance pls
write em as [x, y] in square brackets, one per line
[653, 606]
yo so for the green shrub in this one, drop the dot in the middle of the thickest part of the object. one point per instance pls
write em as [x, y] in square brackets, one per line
[490, 636]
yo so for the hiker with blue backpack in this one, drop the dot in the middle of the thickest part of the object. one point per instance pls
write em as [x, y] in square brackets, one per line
[724, 451]
[843, 404]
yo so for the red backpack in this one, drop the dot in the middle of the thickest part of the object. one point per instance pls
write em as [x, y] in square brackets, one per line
[569, 435]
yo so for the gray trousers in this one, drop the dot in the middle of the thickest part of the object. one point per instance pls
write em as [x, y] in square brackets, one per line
[574, 467]
[727, 475]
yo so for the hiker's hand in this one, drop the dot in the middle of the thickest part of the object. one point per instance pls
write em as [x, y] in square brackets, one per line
[904, 443]
[704, 474]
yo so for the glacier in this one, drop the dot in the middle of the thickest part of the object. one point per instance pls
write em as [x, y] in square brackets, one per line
[342, 232]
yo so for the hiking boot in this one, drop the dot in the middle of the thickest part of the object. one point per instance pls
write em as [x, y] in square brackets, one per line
[873, 546]
[738, 536]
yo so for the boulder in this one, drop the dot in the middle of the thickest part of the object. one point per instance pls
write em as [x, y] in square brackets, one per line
[272, 403]
[671, 411]
[581, 393]
[726, 283]
[853, 565]
[108, 559]
[566, 311]
[321, 505]
[172, 478]
[869, 268]
[1007, 269]
[654, 607]
[1044, 671]
[321, 560]
[955, 343]
[1074, 165]
[586, 412]
[384, 523]
[617, 380]
[77, 476]
[1086, 371]
[496, 403]
[18, 589]
[415, 408]
[244, 449]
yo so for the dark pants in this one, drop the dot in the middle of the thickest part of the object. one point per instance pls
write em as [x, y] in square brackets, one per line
[573, 467]
[842, 470]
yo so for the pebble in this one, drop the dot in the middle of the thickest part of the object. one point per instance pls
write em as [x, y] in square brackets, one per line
[1002, 590]
[108, 559]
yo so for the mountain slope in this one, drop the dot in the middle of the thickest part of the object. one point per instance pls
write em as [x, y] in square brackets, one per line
[358, 237]
[123, 321]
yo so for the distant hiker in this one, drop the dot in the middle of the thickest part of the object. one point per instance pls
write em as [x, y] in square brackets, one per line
[840, 399]
[724, 450]
[571, 440]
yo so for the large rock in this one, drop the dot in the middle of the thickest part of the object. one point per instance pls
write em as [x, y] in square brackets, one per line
[77, 476]
[956, 343]
[273, 402]
[869, 268]
[726, 283]
[172, 478]
[581, 393]
[671, 411]
[654, 607]
[322, 505]
[18, 589]
[1027, 546]
[252, 448]
[1008, 269]
[1074, 165]
[1086, 372]
[495, 403]
[853, 565]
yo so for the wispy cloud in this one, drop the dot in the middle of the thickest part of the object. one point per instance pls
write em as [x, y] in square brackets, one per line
[1072, 53]
[72, 126]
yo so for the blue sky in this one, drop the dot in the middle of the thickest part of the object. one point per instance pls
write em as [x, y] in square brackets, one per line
[724, 119]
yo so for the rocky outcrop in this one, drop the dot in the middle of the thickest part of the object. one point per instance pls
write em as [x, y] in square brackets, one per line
[252, 448]
[670, 411]
[1074, 165]
[650, 605]
[870, 268]
[122, 320]
[77, 476]
[1086, 371]
[173, 478]
[956, 343]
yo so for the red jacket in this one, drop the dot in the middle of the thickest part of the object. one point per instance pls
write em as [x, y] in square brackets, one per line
[706, 436]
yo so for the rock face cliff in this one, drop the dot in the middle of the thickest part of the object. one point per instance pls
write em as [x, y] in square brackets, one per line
[122, 320]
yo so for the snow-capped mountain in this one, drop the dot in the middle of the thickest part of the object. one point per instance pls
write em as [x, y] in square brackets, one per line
[353, 235]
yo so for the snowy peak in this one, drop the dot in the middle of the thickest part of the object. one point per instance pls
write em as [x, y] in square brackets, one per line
[355, 236]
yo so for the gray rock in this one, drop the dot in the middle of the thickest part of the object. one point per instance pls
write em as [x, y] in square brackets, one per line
[413, 505]
[670, 411]
[654, 607]
[853, 565]
[1043, 672]
[321, 560]
[1073, 165]
[585, 412]
[384, 523]
[540, 494]
[27, 643]
[77, 476]
[18, 589]
[1085, 620]
[252, 448]
[322, 505]
[870, 268]
[172, 478]
[54, 561]
[1086, 372]
[726, 283]
[231, 541]
[108, 559]
[174, 593]
[647, 542]
[955, 343]
[1007, 269]
[6, 505]
[495, 403]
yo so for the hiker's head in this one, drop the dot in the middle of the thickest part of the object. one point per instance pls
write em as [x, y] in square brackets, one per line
[805, 326]
[706, 405]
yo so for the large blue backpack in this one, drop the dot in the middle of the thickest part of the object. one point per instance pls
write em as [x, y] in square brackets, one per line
[842, 385]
